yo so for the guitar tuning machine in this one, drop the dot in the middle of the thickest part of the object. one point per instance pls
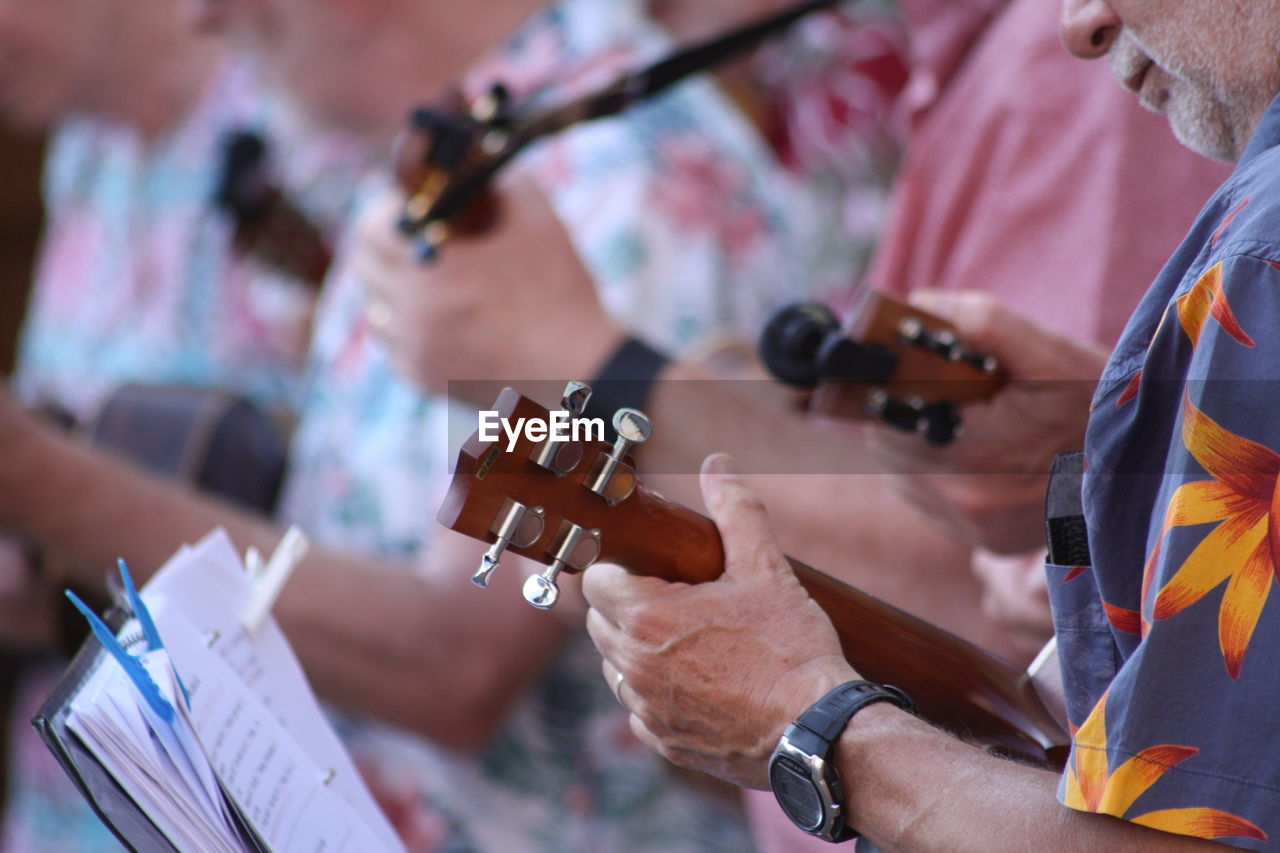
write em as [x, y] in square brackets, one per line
[576, 548]
[514, 525]
[493, 106]
[937, 423]
[427, 246]
[561, 457]
[492, 110]
[944, 343]
[613, 479]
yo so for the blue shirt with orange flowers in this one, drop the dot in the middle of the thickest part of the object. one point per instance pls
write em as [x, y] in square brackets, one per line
[1169, 639]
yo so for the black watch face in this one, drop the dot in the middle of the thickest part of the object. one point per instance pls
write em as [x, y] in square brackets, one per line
[796, 793]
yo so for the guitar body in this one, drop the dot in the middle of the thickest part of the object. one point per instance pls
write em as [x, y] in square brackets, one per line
[955, 684]
[215, 441]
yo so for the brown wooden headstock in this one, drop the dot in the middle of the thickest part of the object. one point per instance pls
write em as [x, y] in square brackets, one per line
[891, 362]
[444, 160]
[268, 226]
[568, 504]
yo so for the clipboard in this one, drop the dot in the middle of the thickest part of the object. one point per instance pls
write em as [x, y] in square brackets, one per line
[109, 801]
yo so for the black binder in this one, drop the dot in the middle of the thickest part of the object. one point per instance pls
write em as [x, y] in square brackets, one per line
[113, 806]
[110, 802]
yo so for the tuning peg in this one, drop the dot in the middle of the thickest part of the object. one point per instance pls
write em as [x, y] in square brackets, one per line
[493, 106]
[790, 342]
[944, 343]
[561, 457]
[937, 423]
[575, 398]
[633, 428]
[941, 423]
[576, 548]
[515, 524]
[427, 246]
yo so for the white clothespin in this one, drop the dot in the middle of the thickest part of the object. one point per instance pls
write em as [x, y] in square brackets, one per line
[253, 562]
[269, 580]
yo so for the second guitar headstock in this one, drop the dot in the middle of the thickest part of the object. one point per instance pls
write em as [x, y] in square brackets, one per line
[892, 362]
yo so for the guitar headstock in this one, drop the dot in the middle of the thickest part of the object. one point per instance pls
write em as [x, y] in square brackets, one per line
[267, 224]
[892, 362]
[555, 492]
[442, 159]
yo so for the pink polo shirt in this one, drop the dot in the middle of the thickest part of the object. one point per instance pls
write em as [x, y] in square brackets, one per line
[1032, 175]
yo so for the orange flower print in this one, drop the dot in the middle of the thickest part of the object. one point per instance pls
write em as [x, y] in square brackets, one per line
[1093, 787]
[1242, 549]
[1130, 390]
[1231, 217]
[1207, 299]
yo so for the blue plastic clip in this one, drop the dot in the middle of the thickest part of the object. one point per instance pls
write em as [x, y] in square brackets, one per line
[139, 609]
[132, 666]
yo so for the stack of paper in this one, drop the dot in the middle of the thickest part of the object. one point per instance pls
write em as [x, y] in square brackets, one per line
[246, 759]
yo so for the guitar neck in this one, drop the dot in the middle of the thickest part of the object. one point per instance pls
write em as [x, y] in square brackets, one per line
[954, 683]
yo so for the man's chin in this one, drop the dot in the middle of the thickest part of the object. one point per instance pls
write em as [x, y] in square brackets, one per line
[1203, 133]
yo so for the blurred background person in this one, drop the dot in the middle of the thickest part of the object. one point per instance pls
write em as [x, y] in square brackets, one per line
[687, 227]
[137, 281]
[824, 94]
[630, 196]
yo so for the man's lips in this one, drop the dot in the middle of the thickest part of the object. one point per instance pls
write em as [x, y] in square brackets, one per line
[1134, 81]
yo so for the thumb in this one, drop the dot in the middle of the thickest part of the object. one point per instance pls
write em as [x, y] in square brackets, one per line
[750, 549]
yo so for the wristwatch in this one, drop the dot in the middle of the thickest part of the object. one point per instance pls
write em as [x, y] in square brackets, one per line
[801, 770]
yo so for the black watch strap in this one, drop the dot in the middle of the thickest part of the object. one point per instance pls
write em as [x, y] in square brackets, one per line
[824, 721]
[829, 716]
[625, 381]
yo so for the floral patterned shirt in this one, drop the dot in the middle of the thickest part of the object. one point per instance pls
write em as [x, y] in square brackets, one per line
[832, 84]
[1168, 638]
[689, 227]
[137, 282]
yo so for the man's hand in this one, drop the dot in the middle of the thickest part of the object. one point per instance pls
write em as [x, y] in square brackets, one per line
[512, 303]
[988, 487]
[714, 672]
[1015, 594]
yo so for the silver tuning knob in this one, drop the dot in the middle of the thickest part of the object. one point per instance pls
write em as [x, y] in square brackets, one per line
[575, 398]
[577, 548]
[561, 457]
[515, 524]
[611, 478]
